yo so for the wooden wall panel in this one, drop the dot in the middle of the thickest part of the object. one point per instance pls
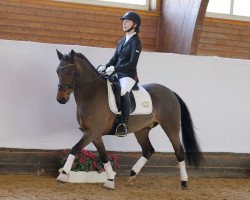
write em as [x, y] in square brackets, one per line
[47, 162]
[198, 27]
[225, 38]
[68, 23]
[99, 26]
[180, 25]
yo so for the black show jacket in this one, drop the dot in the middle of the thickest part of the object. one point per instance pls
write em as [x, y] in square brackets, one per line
[126, 57]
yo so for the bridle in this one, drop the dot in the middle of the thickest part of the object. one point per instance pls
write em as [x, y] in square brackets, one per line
[71, 86]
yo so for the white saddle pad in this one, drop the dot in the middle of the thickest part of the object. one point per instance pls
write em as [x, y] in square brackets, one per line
[143, 101]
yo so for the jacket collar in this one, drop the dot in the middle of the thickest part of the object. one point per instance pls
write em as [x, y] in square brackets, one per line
[129, 35]
[130, 40]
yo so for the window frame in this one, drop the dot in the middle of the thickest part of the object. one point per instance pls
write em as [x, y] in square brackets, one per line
[228, 16]
[112, 4]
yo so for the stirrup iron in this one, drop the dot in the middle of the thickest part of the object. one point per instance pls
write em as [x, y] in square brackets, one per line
[121, 134]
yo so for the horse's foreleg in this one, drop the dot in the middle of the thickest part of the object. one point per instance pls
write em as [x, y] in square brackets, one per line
[147, 151]
[110, 183]
[84, 141]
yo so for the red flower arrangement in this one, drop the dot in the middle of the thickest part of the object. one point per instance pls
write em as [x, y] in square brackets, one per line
[88, 161]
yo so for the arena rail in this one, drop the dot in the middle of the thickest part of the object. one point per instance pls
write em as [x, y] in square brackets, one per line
[47, 162]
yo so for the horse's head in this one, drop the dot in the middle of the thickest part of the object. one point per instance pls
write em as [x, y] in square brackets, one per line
[67, 74]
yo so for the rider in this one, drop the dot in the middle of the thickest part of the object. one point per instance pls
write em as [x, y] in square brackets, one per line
[124, 62]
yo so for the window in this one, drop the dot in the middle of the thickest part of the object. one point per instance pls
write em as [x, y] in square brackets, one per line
[133, 4]
[219, 6]
[140, 2]
[231, 9]
[241, 7]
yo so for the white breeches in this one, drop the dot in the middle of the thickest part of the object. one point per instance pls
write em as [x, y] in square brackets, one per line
[127, 84]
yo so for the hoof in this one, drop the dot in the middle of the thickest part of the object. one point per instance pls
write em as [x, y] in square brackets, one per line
[131, 179]
[59, 183]
[110, 184]
[63, 177]
[183, 185]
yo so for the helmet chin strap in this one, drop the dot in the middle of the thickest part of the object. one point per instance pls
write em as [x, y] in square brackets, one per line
[130, 28]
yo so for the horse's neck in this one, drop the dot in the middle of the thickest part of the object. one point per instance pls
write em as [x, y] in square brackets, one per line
[92, 94]
[86, 72]
[88, 83]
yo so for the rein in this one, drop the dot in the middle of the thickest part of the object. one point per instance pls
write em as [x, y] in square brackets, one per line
[93, 81]
[71, 85]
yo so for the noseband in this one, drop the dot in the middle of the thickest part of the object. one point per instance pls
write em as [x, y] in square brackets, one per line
[64, 86]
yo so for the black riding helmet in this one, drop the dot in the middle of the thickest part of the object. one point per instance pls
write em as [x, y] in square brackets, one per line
[133, 17]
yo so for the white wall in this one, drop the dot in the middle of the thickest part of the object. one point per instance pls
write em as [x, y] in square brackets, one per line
[216, 91]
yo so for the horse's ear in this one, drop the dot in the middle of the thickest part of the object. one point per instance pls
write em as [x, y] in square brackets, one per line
[72, 53]
[59, 54]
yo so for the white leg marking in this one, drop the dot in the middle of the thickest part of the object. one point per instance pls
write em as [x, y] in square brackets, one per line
[139, 164]
[66, 168]
[111, 175]
[183, 172]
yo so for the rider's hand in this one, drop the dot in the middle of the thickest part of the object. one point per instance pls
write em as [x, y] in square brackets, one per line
[101, 68]
[110, 70]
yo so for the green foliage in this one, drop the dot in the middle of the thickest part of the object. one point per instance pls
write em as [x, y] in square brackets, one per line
[88, 161]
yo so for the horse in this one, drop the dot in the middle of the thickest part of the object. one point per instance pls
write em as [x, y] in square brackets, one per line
[78, 76]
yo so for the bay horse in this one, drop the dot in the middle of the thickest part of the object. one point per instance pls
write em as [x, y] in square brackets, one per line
[77, 75]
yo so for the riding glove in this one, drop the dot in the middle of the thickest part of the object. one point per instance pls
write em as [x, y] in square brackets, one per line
[110, 70]
[101, 68]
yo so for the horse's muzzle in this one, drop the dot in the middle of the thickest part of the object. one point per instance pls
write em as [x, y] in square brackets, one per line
[61, 100]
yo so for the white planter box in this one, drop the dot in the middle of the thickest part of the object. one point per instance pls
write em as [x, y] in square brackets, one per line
[87, 177]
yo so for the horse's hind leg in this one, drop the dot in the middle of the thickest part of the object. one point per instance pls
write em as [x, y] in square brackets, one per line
[147, 151]
[172, 130]
[110, 183]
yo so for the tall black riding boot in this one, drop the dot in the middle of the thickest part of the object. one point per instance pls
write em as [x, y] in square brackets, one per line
[122, 128]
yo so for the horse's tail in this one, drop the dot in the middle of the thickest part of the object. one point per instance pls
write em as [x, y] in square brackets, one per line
[191, 146]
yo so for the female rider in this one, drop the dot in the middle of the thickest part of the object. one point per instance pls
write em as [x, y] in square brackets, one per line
[124, 62]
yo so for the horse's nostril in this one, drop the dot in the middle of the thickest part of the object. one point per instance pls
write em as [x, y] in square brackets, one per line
[61, 100]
